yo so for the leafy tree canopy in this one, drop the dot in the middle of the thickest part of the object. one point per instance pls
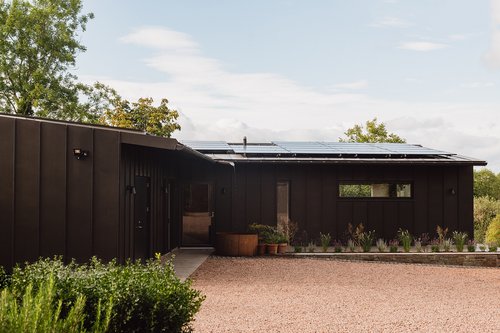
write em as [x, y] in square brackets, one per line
[38, 45]
[39, 42]
[486, 183]
[372, 132]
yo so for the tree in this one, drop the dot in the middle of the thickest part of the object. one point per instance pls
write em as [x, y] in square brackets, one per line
[485, 210]
[486, 183]
[373, 132]
[38, 45]
[142, 115]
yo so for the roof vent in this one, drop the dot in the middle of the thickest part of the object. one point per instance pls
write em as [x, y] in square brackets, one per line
[245, 146]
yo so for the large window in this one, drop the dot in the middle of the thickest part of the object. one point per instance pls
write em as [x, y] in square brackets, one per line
[375, 190]
[283, 201]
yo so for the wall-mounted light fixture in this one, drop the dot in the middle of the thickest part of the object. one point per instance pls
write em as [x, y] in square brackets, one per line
[80, 154]
[452, 191]
[131, 189]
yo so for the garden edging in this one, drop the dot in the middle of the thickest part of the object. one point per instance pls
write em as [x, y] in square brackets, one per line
[483, 259]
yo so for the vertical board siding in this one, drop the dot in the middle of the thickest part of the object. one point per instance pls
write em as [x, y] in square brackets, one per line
[268, 194]
[27, 191]
[313, 200]
[450, 211]
[53, 190]
[105, 194]
[7, 162]
[465, 205]
[80, 194]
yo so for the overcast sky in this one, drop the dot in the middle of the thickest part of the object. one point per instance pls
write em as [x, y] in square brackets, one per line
[308, 70]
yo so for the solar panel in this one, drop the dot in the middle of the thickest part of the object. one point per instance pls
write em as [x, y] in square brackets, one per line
[409, 149]
[258, 149]
[207, 145]
[303, 147]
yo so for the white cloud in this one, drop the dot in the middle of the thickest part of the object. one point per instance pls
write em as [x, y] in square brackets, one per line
[218, 104]
[457, 37]
[492, 57]
[391, 22]
[422, 46]
[352, 85]
[478, 85]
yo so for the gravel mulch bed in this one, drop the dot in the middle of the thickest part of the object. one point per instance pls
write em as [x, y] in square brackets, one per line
[311, 295]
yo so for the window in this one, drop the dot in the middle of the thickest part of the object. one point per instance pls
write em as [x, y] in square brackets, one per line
[375, 190]
[283, 201]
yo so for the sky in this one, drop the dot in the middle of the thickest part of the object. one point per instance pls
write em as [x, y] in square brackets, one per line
[308, 70]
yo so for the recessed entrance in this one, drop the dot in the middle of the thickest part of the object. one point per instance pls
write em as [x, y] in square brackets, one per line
[198, 215]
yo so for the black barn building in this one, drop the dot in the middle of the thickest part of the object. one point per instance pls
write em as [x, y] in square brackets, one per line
[80, 190]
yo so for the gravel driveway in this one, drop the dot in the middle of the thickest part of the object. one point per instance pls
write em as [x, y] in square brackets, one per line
[318, 295]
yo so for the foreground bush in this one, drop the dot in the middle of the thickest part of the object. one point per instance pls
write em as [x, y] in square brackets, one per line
[145, 297]
[41, 312]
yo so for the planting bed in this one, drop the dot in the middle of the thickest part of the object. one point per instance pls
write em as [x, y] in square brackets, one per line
[283, 294]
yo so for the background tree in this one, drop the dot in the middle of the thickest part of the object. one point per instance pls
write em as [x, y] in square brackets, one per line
[38, 45]
[486, 183]
[373, 132]
[39, 42]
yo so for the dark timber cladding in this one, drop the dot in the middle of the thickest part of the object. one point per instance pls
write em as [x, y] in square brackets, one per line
[439, 186]
[52, 203]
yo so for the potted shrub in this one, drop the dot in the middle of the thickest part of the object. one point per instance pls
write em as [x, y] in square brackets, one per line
[282, 243]
[263, 231]
[272, 241]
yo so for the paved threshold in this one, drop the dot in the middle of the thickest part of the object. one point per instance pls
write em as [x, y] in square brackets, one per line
[187, 260]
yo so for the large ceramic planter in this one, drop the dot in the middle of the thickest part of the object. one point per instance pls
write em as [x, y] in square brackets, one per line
[272, 249]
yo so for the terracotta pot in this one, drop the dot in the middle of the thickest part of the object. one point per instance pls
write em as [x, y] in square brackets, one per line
[272, 249]
[261, 249]
[282, 248]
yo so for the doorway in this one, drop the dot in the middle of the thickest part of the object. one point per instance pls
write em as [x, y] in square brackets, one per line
[141, 218]
[198, 214]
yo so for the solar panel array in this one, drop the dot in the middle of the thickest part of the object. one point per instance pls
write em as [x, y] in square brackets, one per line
[315, 148]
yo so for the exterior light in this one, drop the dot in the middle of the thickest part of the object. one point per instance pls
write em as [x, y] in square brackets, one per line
[80, 154]
[452, 191]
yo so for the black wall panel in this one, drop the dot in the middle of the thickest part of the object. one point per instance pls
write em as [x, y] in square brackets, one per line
[7, 162]
[53, 190]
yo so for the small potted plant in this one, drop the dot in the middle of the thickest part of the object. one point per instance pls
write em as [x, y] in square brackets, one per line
[282, 243]
[272, 242]
[393, 245]
[471, 245]
[460, 238]
[337, 246]
[405, 238]
[381, 245]
[366, 240]
[435, 245]
[325, 240]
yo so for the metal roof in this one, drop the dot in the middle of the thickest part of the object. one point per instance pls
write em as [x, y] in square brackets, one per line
[327, 152]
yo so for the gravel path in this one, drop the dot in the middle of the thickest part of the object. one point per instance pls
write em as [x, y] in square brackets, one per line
[312, 295]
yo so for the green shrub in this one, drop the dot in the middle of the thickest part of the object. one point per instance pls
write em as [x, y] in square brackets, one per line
[485, 210]
[405, 238]
[145, 297]
[325, 240]
[3, 278]
[460, 238]
[366, 240]
[493, 231]
[41, 311]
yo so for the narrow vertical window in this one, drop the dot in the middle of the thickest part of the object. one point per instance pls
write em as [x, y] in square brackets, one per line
[283, 201]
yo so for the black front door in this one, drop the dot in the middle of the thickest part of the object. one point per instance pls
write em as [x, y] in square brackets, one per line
[141, 218]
